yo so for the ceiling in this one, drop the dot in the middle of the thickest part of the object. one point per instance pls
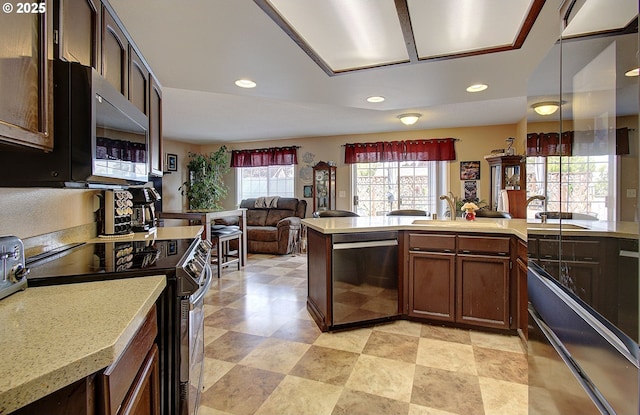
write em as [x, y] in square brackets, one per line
[197, 49]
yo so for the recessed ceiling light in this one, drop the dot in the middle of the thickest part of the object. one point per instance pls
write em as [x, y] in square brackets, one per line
[375, 99]
[632, 72]
[477, 88]
[245, 83]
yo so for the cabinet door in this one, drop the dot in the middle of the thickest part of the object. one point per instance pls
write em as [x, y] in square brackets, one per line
[25, 80]
[432, 285]
[155, 128]
[138, 82]
[522, 309]
[115, 49]
[482, 288]
[78, 23]
[144, 396]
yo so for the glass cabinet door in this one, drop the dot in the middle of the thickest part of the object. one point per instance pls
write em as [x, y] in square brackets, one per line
[324, 187]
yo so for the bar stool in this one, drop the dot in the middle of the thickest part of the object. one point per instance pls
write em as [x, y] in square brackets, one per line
[221, 236]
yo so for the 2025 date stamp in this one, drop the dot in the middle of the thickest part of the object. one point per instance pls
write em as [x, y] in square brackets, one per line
[24, 8]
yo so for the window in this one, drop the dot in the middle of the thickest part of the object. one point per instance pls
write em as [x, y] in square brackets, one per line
[255, 182]
[386, 186]
[578, 184]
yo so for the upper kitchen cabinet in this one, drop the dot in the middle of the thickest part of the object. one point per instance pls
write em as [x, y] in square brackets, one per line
[155, 128]
[25, 107]
[138, 82]
[76, 31]
[115, 53]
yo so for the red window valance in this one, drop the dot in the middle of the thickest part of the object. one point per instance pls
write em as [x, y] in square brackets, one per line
[554, 144]
[273, 156]
[438, 149]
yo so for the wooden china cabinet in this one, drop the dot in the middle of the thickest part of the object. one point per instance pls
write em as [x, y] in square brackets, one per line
[324, 187]
[507, 172]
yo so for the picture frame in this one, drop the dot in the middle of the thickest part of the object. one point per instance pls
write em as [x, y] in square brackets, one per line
[470, 170]
[470, 190]
[308, 191]
[172, 162]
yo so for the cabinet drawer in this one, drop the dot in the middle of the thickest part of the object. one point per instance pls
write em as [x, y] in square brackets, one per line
[571, 249]
[118, 378]
[484, 244]
[432, 242]
[522, 250]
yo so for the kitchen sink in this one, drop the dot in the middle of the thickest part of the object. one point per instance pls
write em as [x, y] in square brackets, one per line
[460, 223]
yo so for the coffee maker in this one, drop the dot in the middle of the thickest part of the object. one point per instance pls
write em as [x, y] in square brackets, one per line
[144, 218]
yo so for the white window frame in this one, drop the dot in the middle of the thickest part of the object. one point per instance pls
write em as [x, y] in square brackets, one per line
[270, 188]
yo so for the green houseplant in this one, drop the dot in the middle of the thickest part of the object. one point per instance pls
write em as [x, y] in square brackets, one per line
[205, 187]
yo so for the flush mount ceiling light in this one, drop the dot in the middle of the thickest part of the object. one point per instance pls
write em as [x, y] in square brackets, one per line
[546, 107]
[375, 99]
[409, 118]
[632, 72]
[245, 83]
[477, 88]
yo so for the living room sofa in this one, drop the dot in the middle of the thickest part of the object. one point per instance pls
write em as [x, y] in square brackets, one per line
[274, 230]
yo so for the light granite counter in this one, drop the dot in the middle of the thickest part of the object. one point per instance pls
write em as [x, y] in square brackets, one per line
[53, 336]
[517, 227]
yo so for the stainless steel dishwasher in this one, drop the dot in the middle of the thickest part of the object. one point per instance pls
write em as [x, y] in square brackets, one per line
[364, 285]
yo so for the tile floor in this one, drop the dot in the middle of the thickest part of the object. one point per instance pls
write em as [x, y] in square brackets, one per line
[265, 355]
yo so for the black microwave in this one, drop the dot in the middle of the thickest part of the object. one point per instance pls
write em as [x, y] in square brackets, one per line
[100, 138]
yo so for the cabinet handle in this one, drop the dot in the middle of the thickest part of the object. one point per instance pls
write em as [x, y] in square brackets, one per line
[447, 250]
[415, 249]
[465, 251]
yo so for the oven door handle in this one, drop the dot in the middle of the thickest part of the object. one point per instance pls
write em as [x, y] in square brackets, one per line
[365, 244]
[204, 288]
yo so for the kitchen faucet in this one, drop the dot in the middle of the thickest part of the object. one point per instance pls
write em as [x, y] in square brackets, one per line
[531, 199]
[452, 206]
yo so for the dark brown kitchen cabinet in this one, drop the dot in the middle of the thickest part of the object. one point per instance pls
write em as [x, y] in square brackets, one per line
[482, 289]
[138, 82]
[77, 31]
[25, 81]
[432, 285]
[521, 289]
[115, 53]
[155, 128]
[131, 384]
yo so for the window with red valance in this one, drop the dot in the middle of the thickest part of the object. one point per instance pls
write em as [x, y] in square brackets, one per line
[273, 156]
[439, 149]
[554, 144]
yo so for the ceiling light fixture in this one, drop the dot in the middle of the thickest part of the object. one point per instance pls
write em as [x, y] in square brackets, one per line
[409, 118]
[546, 107]
[477, 88]
[375, 99]
[245, 83]
[632, 72]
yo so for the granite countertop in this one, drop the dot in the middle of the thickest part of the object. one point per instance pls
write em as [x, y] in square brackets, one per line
[53, 336]
[517, 227]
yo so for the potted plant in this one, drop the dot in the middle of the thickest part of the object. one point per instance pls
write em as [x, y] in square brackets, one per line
[205, 187]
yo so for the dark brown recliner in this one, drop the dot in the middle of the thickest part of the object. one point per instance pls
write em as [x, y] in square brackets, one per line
[274, 230]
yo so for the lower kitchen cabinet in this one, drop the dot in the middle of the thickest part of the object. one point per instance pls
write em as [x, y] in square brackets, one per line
[461, 278]
[482, 290]
[432, 285]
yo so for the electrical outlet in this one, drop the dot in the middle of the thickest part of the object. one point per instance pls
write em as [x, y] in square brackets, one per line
[631, 192]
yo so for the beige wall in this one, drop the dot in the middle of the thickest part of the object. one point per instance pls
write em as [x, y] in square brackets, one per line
[474, 144]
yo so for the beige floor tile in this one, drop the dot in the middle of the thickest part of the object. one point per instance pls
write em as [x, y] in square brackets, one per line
[212, 333]
[423, 410]
[232, 346]
[348, 340]
[213, 370]
[508, 343]
[447, 391]
[205, 410]
[378, 376]
[408, 328]
[503, 398]
[498, 364]
[300, 396]
[275, 355]
[242, 390]
[449, 334]
[453, 357]
[359, 403]
[299, 330]
[326, 365]
[392, 346]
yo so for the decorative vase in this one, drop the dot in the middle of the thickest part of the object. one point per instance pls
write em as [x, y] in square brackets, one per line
[469, 215]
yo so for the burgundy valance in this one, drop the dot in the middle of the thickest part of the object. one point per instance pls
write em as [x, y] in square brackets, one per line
[554, 144]
[438, 149]
[273, 156]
